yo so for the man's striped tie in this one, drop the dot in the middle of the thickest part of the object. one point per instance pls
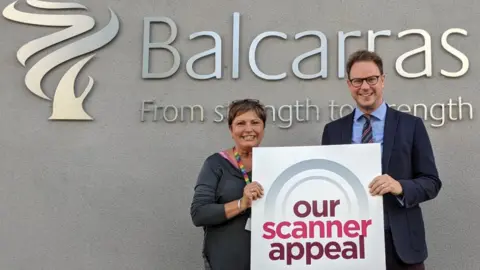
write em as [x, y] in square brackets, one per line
[367, 135]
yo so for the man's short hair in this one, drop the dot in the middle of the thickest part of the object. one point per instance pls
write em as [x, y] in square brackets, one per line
[364, 56]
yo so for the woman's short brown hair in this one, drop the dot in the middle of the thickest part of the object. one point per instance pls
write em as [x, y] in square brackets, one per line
[241, 106]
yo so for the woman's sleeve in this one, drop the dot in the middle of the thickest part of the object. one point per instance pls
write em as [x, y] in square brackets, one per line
[204, 210]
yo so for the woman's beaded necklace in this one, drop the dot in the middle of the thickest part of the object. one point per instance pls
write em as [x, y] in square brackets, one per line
[240, 165]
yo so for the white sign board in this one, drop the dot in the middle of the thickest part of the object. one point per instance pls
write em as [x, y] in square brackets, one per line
[317, 212]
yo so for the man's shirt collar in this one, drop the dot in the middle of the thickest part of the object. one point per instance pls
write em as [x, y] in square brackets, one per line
[379, 113]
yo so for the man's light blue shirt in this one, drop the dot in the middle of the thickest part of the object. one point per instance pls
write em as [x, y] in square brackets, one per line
[377, 120]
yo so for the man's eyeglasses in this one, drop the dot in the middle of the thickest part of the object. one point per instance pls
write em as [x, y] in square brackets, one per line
[372, 80]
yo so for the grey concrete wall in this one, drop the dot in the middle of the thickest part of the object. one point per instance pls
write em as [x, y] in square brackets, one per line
[114, 193]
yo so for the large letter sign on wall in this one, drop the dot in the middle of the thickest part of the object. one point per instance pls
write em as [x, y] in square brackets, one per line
[66, 106]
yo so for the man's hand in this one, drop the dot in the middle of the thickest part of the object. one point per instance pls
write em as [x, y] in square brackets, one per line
[384, 184]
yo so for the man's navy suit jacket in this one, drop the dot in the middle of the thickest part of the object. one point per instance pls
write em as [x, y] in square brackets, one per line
[408, 158]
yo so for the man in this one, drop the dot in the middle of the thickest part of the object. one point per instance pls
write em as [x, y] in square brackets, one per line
[410, 175]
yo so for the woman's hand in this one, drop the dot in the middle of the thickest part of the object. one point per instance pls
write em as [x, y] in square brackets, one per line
[251, 192]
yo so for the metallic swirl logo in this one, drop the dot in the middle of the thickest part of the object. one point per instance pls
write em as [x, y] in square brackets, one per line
[315, 164]
[66, 106]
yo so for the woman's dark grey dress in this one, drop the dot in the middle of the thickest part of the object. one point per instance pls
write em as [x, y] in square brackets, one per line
[226, 242]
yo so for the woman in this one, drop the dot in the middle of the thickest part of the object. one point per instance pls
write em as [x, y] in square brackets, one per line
[224, 191]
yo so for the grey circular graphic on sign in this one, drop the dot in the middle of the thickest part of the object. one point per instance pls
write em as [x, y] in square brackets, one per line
[316, 178]
[314, 164]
